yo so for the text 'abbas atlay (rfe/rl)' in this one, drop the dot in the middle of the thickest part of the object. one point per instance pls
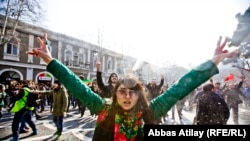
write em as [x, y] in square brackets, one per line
[196, 131]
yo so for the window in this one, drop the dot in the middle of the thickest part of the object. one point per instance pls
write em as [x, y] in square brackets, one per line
[81, 60]
[109, 65]
[75, 60]
[11, 51]
[68, 58]
[9, 75]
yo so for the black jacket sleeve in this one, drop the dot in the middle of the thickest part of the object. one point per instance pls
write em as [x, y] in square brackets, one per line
[19, 95]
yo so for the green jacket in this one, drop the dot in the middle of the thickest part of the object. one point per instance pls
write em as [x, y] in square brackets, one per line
[159, 106]
[60, 101]
[21, 103]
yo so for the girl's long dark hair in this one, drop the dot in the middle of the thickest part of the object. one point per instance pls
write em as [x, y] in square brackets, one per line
[105, 130]
[142, 103]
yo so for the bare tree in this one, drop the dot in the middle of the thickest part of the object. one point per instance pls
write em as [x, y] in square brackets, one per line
[241, 40]
[14, 11]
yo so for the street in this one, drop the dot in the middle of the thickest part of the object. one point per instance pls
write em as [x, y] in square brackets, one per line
[75, 127]
[78, 128]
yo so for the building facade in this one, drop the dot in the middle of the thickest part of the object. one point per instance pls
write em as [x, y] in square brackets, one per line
[78, 55]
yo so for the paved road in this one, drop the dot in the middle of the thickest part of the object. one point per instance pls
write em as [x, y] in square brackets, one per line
[78, 128]
[188, 116]
[75, 127]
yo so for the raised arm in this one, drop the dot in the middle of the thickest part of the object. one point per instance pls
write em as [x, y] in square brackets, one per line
[161, 82]
[71, 81]
[99, 76]
[191, 80]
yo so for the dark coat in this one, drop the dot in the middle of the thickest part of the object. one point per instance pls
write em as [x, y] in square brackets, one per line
[212, 110]
[233, 95]
[106, 90]
[154, 90]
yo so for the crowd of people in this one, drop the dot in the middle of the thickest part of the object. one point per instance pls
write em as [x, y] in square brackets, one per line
[124, 104]
[129, 110]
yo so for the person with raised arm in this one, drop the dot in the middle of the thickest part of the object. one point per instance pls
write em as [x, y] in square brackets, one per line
[123, 118]
[106, 90]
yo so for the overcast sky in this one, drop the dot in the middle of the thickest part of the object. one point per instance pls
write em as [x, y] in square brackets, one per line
[181, 32]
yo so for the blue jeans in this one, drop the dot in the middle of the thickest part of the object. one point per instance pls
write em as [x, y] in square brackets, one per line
[15, 123]
[18, 117]
[27, 117]
[58, 120]
[23, 124]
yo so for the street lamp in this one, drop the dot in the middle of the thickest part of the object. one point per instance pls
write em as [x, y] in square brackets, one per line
[95, 52]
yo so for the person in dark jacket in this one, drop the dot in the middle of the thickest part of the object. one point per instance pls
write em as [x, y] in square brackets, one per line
[211, 108]
[232, 94]
[154, 89]
[106, 90]
[22, 111]
[123, 118]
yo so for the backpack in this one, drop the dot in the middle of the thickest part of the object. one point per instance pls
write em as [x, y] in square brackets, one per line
[32, 100]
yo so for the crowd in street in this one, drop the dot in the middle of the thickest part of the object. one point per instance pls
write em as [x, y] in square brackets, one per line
[220, 98]
[123, 104]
